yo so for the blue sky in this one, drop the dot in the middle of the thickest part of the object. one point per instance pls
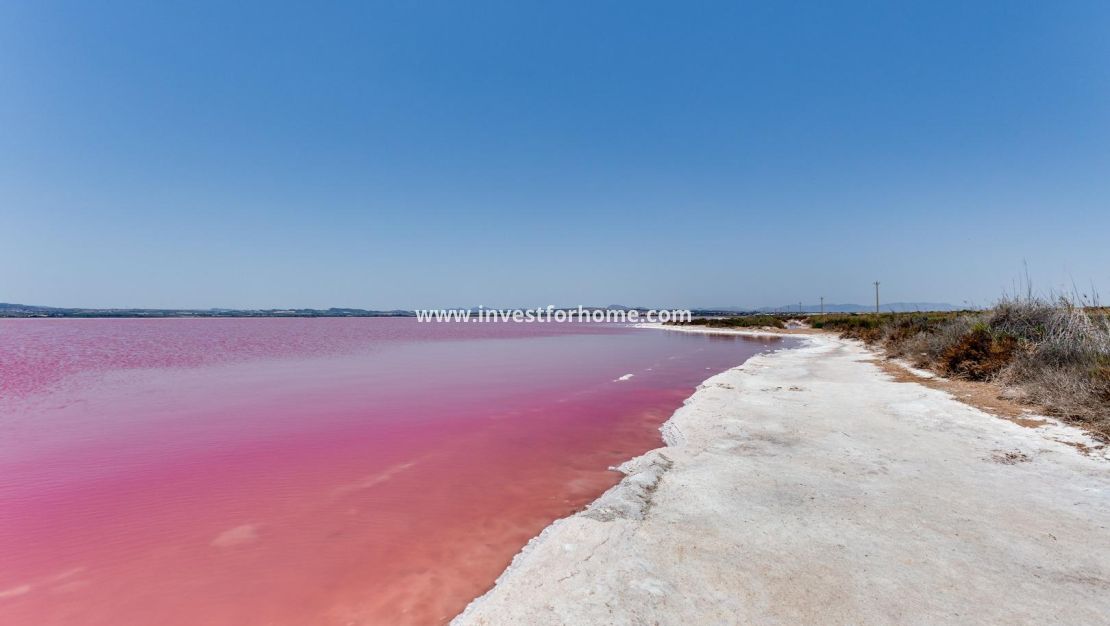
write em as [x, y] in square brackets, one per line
[417, 154]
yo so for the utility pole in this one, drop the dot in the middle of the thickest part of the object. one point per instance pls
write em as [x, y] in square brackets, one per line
[822, 305]
[876, 296]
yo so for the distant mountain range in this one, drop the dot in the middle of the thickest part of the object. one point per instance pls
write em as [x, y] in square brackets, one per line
[886, 307]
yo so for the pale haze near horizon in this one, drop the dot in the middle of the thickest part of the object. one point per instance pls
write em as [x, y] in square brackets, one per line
[512, 154]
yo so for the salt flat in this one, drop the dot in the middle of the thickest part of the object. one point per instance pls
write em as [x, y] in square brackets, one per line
[807, 486]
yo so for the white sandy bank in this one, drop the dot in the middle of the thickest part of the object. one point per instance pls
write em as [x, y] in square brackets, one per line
[806, 486]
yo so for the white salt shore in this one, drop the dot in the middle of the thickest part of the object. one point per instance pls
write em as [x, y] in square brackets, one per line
[806, 486]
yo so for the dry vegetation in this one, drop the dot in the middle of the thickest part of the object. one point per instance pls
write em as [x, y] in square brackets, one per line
[1051, 353]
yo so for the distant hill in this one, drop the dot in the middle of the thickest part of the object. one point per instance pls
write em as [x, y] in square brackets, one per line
[886, 307]
[28, 310]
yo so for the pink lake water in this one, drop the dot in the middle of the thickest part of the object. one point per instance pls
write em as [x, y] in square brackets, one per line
[289, 472]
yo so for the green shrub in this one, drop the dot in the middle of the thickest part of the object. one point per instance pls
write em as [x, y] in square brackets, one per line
[741, 321]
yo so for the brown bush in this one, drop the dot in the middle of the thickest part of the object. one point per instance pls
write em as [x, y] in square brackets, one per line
[978, 355]
[1101, 383]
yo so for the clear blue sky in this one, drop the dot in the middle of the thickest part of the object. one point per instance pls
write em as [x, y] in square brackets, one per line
[413, 154]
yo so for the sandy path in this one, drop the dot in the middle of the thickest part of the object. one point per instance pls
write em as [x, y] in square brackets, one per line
[806, 486]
